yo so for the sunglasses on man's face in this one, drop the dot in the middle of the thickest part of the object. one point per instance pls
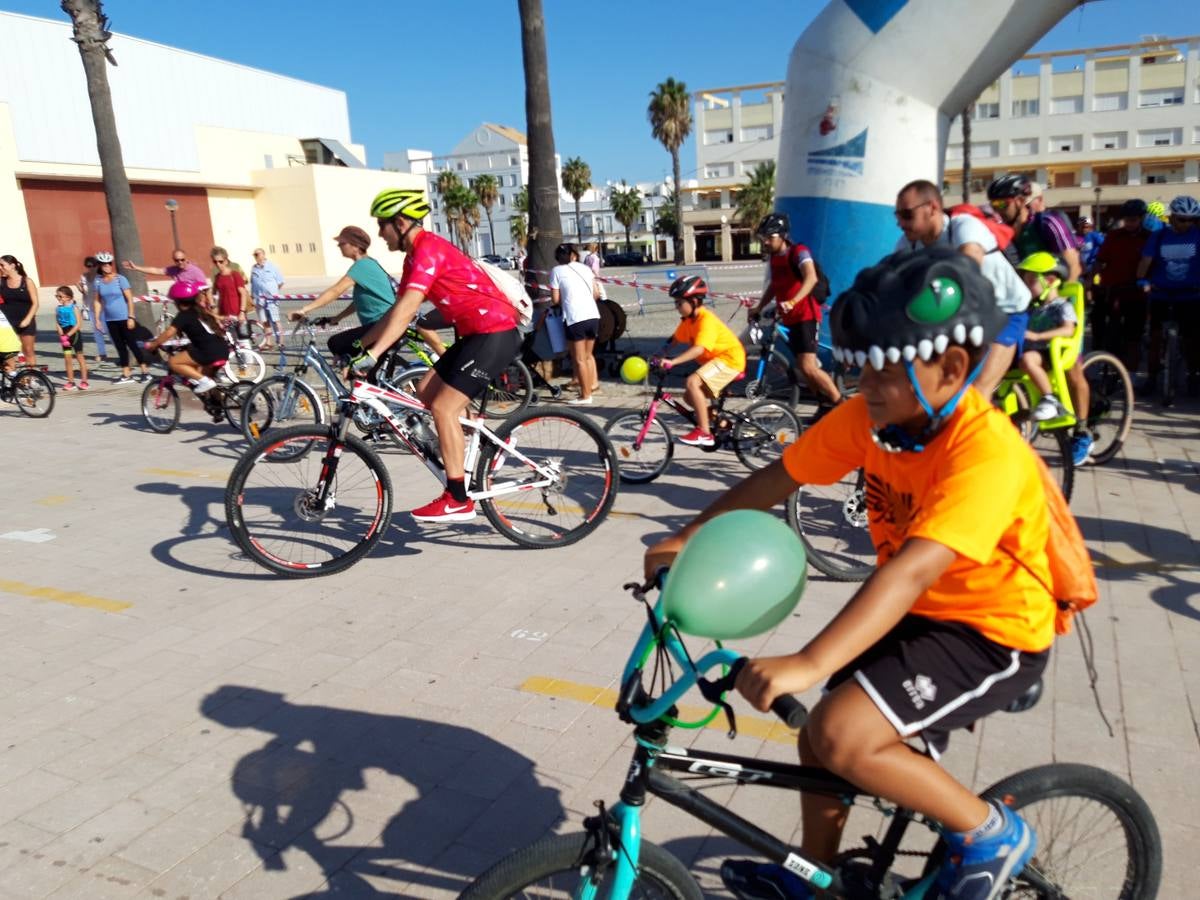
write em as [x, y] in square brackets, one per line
[219, 262]
[1001, 204]
[907, 214]
[180, 259]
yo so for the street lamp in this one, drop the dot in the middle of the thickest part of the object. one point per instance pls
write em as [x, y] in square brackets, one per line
[173, 205]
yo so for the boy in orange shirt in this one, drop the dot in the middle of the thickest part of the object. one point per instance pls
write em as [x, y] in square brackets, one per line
[956, 623]
[721, 355]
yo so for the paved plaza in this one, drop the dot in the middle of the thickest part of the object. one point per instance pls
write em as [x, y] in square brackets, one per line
[179, 724]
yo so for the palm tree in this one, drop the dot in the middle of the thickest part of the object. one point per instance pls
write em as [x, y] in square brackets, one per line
[545, 219]
[670, 114]
[521, 200]
[626, 206]
[757, 198]
[517, 230]
[487, 189]
[967, 115]
[462, 211]
[577, 178]
[445, 186]
[665, 221]
[92, 35]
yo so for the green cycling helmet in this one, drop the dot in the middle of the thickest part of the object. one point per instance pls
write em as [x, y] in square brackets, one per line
[400, 202]
[1158, 209]
[1043, 263]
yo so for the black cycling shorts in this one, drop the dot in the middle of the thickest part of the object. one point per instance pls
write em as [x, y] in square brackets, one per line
[434, 320]
[929, 677]
[472, 362]
[802, 337]
[587, 330]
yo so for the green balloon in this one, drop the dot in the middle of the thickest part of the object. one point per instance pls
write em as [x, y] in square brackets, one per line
[741, 574]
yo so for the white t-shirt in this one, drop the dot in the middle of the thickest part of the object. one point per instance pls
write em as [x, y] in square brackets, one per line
[574, 284]
[1012, 295]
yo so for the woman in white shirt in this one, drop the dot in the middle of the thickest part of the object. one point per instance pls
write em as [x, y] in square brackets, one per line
[575, 289]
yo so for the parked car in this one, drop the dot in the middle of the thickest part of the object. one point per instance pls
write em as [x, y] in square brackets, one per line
[500, 262]
[623, 258]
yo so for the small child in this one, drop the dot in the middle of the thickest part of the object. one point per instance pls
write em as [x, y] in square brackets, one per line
[721, 355]
[1052, 316]
[66, 320]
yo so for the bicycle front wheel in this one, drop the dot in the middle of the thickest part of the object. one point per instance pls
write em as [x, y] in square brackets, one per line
[509, 393]
[280, 402]
[33, 393]
[566, 496]
[245, 365]
[775, 380]
[160, 406]
[1110, 409]
[1096, 837]
[557, 865]
[645, 461]
[832, 523]
[1054, 447]
[234, 401]
[763, 429]
[286, 517]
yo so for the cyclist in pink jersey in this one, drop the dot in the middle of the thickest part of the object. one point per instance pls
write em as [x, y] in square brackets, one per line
[484, 321]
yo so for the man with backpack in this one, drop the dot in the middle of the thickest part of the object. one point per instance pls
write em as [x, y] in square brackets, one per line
[798, 289]
[921, 215]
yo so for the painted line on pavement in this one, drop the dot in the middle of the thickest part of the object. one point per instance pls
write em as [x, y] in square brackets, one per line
[606, 698]
[55, 500]
[71, 598]
[188, 473]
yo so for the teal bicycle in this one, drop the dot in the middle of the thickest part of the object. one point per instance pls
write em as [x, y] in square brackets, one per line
[1097, 836]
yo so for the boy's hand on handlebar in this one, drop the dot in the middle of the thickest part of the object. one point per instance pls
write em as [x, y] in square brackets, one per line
[662, 555]
[768, 677]
[296, 316]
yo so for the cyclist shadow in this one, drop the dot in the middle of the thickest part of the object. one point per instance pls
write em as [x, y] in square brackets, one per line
[131, 421]
[306, 789]
[1163, 553]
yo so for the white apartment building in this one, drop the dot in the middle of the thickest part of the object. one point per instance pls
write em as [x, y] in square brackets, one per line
[736, 130]
[1096, 126]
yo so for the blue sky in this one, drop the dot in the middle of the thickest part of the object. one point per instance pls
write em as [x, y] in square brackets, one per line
[425, 80]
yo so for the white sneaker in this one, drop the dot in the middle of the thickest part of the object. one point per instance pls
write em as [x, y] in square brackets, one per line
[203, 384]
[580, 401]
[1047, 408]
[124, 379]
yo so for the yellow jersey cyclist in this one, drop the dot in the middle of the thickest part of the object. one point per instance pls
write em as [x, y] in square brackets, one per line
[957, 622]
[483, 318]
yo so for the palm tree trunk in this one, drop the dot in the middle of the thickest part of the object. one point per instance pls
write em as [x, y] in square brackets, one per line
[491, 227]
[628, 243]
[89, 35]
[678, 207]
[545, 222]
[578, 224]
[966, 131]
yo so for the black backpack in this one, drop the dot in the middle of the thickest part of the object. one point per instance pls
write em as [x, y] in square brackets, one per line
[820, 291]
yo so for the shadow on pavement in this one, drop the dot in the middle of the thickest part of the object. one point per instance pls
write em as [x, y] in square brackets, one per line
[464, 787]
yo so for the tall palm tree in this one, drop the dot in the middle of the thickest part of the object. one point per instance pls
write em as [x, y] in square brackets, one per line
[521, 200]
[517, 230]
[967, 115]
[462, 212]
[577, 178]
[445, 185]
[626, 206]
[545, 219]
[487, 189]
[757, 198]
[90, 32]
[670, 114]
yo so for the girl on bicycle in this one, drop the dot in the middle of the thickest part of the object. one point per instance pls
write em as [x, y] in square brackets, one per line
[207, 350]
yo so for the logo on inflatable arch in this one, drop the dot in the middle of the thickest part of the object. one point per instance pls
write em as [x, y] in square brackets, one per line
[842, 159]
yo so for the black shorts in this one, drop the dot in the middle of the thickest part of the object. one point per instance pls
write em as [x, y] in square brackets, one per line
[29, 330]
[208, 354]
[76, 345]
[587, 330]
[802, 337]
[472, 362]
[929, 678]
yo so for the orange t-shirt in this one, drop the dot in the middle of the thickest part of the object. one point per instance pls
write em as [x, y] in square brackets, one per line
[719, 342]
[975, 488]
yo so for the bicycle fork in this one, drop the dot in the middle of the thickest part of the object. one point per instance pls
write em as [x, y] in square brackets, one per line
[646, 423]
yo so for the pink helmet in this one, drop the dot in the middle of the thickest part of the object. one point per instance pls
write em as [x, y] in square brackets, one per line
[186, 290]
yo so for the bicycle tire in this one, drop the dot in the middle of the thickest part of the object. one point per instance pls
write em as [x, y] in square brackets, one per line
[1110, 410]
[1054, 447]
[265, 495]
[244, 365]
[508, 394]
[761, 432]
[1169, 376]
[33, 393]
[160, 406]
[584, 490]
[640, 464]
[775, 382]
[1052, 784]
[831, 521]
[558, 859]
[280, 401]
[233, 401]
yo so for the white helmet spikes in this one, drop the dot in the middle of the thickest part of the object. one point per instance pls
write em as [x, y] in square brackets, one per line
[925, 349]
[940, 343]
[977, 335]
[960, 333]
[875, 354]
[893, 355]
[909, 353]
[860, 358]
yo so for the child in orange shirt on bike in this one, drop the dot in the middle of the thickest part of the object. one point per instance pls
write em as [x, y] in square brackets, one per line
[958, 620]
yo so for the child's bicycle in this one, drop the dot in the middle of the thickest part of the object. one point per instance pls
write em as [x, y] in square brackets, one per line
[243, 363]
[315, 499]
[645, 445]
[161, 406]
[1097, 837]
[27, 389]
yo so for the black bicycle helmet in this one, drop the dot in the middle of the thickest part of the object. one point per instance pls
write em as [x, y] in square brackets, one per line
[774, 223]
[1133, 209]
[914, 305]
[1008, 186]
[690, 287]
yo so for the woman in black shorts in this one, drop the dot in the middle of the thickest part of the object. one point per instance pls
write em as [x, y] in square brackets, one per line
[573, 286]
[19, 293]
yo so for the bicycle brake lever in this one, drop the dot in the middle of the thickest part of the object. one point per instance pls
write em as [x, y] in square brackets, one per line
[713, 689]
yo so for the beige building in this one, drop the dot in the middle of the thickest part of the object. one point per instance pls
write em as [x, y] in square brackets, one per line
[1096, 126]
[736, 130]
[246, 158]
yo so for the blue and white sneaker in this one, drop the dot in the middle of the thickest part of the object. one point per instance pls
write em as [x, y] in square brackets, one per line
[750, 880]
[1081, 448]
[980, 869]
